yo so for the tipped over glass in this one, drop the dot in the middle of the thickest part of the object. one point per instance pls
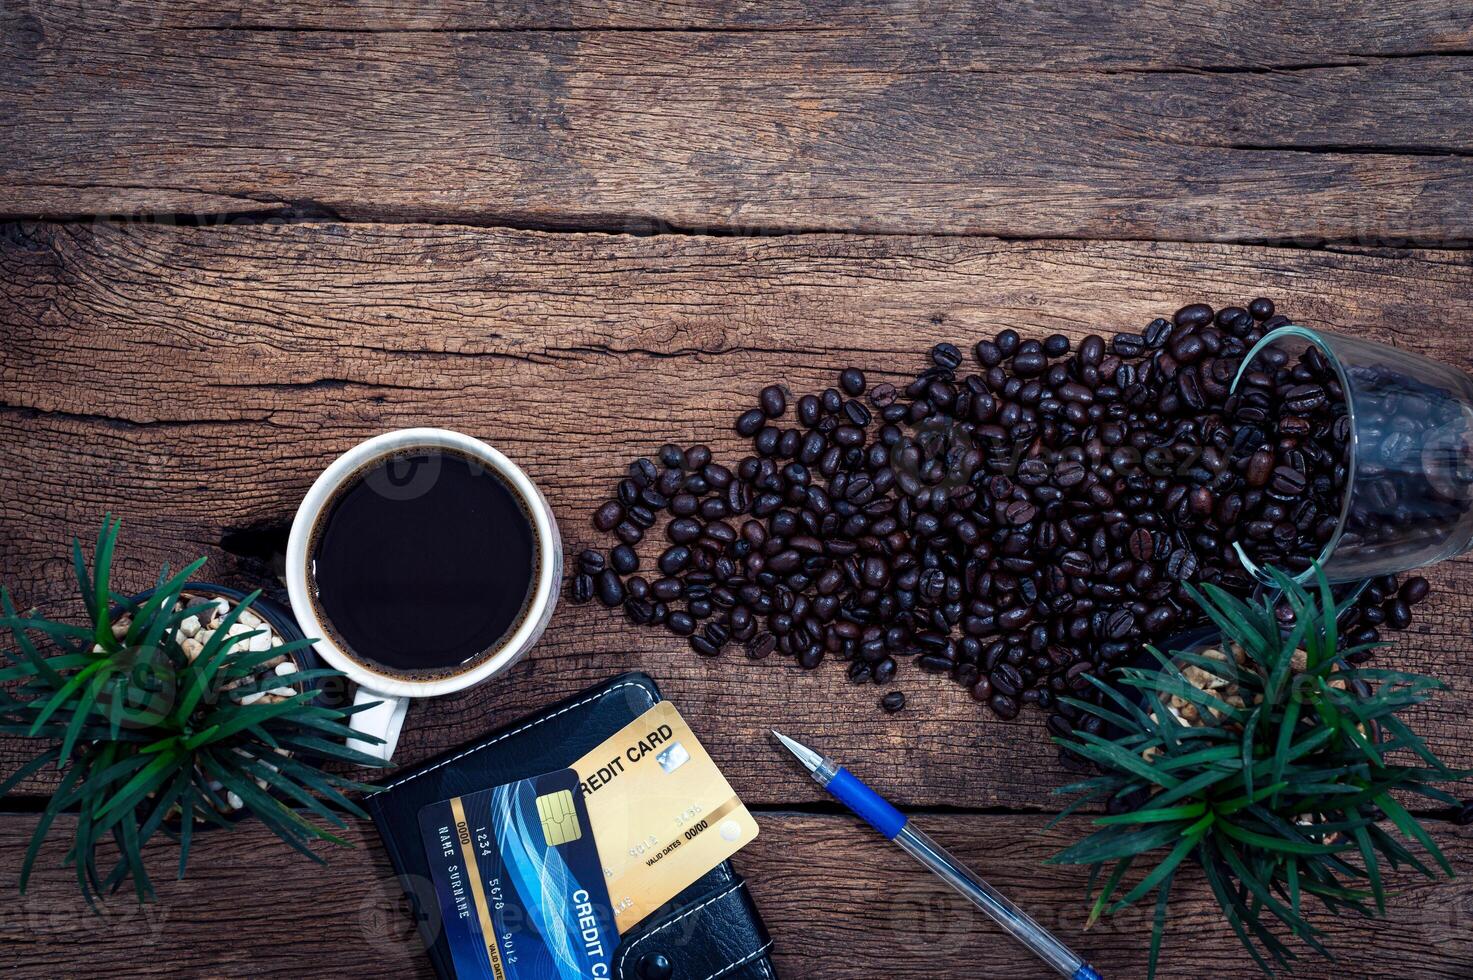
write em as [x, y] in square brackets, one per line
[1406, 482]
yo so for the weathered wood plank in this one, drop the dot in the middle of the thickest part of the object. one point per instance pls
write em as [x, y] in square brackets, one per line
[839, 902]
[1156, 33]
[915, 127]
[194, 381]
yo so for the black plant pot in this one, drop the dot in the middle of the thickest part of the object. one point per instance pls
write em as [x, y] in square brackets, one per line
[285, 626]
[281, 620]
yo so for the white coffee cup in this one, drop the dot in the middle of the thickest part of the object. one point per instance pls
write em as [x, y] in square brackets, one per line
[394, 691]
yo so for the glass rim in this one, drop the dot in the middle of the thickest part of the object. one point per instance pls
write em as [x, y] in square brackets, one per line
[1320, 341]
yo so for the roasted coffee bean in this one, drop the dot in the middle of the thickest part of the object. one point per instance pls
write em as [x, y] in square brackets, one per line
[760, 647]
[1019, 512]
[608, 515]
[1414, 590]
[1128, 345]
[987, 353]
[1288, 481]
[1158, 333]
[610, 587]
[946, 356]
[852, 381]
[704, 646]
[1398, 614]
[749, 422]
[1004, 707]
[1193, 316]
[624, 559]
[643, 472]
[1181, 565]
[666, 589]
[683, 530]
[1076, 563]
[674, 558]
[1056, 345]
[580, 590]
[809, 410]
[1029, 364]
[1304, 399]
[773, 402]
[1260, 468]
[893, 701]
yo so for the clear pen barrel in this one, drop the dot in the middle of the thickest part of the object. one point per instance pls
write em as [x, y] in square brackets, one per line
[989, 900]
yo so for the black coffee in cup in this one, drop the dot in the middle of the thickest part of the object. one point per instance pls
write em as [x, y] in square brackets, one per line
[422, 563]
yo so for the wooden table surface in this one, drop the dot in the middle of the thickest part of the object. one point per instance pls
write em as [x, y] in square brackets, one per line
[241, 238]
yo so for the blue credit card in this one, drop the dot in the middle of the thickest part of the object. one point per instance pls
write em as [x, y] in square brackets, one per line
[519, 882]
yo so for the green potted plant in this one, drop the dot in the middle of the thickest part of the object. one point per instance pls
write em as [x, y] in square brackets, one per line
[166, 712]
[1267, 763]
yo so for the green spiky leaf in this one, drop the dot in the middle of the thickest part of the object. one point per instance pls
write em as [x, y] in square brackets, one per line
[141, 729]
[1290, 798]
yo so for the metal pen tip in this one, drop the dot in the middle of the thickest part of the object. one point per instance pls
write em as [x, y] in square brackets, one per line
[811, 760]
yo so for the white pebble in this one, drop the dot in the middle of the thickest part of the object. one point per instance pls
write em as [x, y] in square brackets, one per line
[222, 606]
[250, 618]
[285, 667]
[260, 643]
[189, 626]
[204, 636]
[282, 692]
[236, 629]
[192, 647]
[236, 803]
[253, 697]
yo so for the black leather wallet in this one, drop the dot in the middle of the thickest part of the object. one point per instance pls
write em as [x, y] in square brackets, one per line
[709, 931]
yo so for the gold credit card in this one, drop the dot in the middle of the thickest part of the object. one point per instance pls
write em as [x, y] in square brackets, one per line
[661, 812]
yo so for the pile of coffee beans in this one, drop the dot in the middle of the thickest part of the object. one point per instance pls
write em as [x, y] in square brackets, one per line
[1018, 520]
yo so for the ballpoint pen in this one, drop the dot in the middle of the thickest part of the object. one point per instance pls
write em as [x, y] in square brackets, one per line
[893, 825]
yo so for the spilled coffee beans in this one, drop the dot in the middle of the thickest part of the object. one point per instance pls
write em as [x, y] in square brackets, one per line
[1021, 526]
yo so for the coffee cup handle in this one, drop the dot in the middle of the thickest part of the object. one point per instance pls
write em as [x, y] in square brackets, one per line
[384, 719]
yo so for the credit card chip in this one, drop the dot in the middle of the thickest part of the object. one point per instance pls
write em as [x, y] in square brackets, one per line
[559, 819]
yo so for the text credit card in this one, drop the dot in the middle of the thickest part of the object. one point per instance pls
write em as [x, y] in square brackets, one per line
[663, 813]
[519, 882]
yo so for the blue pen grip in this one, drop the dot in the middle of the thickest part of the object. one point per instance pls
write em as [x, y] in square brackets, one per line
[876, 811]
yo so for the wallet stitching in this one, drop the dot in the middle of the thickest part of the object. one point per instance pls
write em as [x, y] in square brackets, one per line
[666, 925]
[531, 724]
[745, 959]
